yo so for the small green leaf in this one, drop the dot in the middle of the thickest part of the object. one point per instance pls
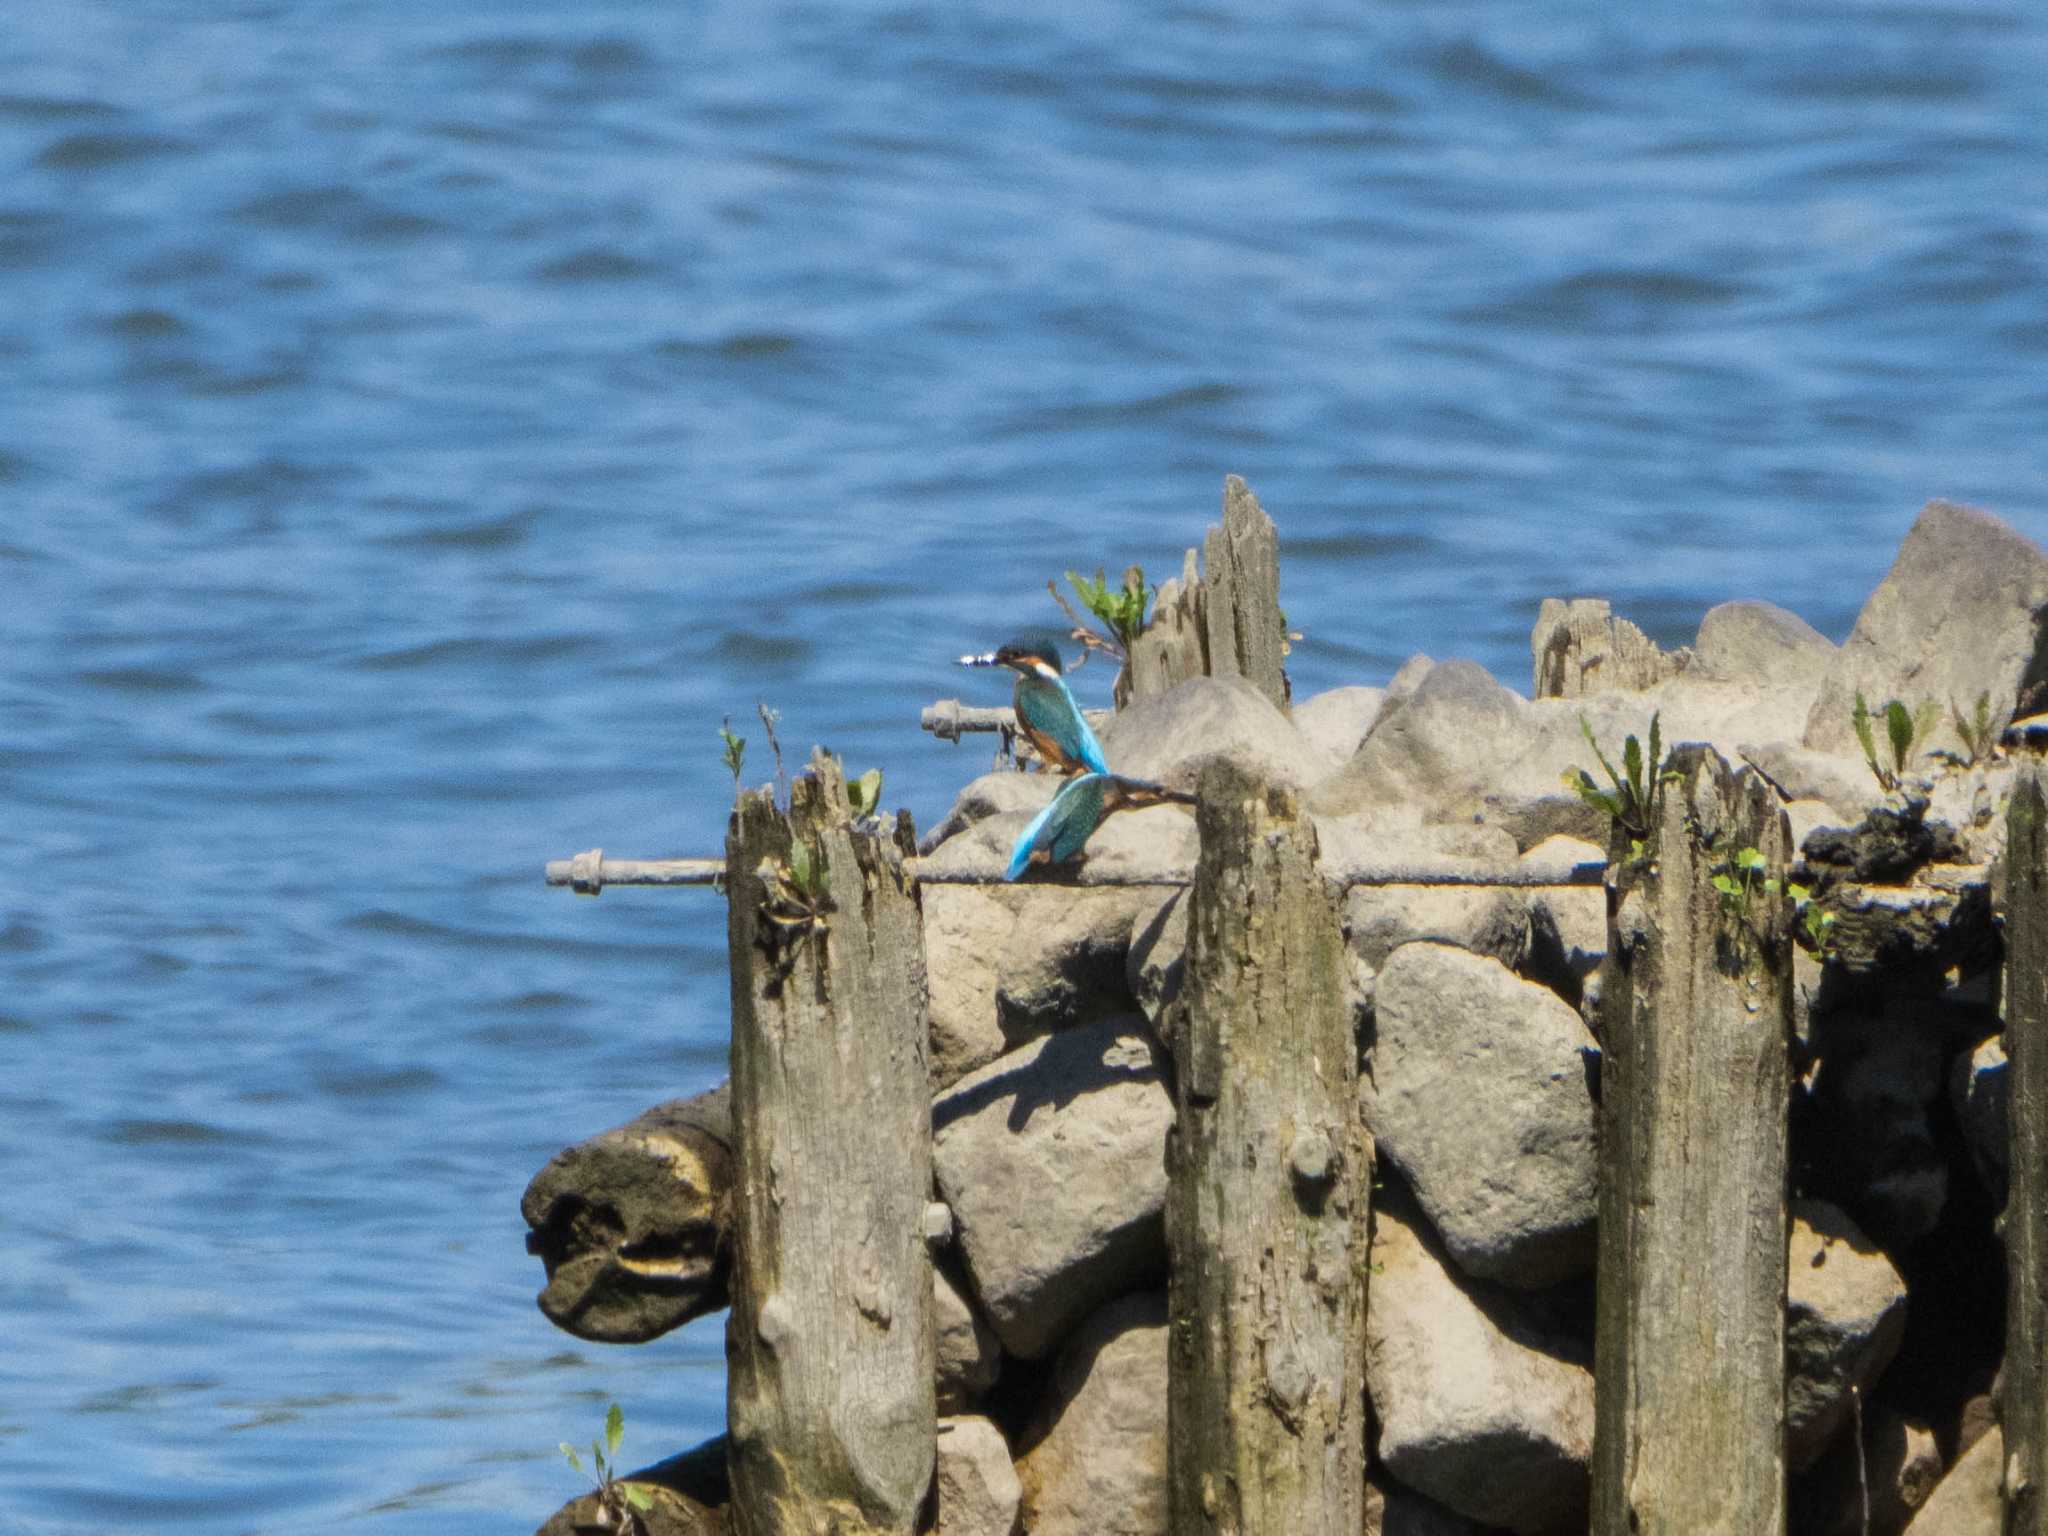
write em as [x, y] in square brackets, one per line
[864, 794]
[1771, 887]
[1632, 761]
[637, 1496]
[1749, 858]
[1898, 729]
[569, 1451]
[1727, 885]
[1799, 893]
[614, 1428]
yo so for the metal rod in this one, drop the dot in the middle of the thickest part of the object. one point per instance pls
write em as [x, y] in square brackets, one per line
[590, 872]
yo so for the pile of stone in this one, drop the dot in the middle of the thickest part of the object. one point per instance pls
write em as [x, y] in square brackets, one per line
[1050, 1047]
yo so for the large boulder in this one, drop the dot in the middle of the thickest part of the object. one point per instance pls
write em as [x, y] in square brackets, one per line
[1845, 1313]
[1462, 748]
[1955, 617]
[1009, 962]
[1748, 642]
[1094, 1461]
[1336, 721]
[1483, 1097]
[1966, 1501]
[977, 1486]
[1169, 737]
[1480, 1417]
[1053, 1159]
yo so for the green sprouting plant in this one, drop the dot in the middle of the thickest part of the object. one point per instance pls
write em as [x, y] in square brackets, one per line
[1743, 878]
[1638, 790]
[1974, 730]
[620, 1504]
[797, 906]
[864, 794]
[735, 753]
[1904, 729]
[1815, 921]
[1739, 883]
[1120, 610]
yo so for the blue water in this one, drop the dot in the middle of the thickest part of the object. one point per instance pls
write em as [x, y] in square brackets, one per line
[420, 425]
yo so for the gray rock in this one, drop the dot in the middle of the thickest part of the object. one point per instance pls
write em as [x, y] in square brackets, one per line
[978, 1489]
[969, 1358]
[1845, 784]
[1158, 955]
[1170, 736]
[1337, 720]
[965, 929]
[1979, 1086]
[1408, 677]
[1484, 1423]
[1062, 962]
[1463, 748]
[1845, 1313]
[1966, 1501]
[1482, 919]
[1483, 1098]
[1008, 962]
[1953, 618]
[1053, 1159]
[1575, 914]
[1095, 1459]
[1749, 642]
[1441, 748]
[993, 794]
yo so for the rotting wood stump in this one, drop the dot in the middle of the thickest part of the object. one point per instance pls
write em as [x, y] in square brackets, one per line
[2024, 1412]
[1696, 1003]
[1270, 1172]
[829, 1347]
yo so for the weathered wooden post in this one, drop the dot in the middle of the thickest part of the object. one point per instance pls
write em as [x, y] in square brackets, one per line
[829, 1348]
[2025, 1409]
[1270, 1174]
[1696, 1006]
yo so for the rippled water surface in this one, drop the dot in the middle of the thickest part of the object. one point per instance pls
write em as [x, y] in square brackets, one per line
[419, 425]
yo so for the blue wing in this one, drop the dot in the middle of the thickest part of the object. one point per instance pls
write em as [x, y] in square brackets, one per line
[1061, 830]
[1047, 706]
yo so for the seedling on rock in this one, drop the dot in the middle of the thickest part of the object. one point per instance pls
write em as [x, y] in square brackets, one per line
[1121, 611]
[619, 1505]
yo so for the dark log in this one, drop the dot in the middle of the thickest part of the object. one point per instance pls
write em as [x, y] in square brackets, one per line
[2025, 1407]
[1270, 1175]
[829, 1347]
[1696, 1077]
[634, 1224]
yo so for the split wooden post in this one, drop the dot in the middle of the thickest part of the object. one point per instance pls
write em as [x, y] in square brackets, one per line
[2024, 1413]
[1270, 1172]
[1696, 1006]
[829, 1348]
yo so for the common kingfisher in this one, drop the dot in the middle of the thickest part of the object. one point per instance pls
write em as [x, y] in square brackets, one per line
[1046, 712]
[1059, 831]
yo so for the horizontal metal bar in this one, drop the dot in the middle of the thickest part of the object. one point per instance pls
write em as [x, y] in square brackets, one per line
[590, 872]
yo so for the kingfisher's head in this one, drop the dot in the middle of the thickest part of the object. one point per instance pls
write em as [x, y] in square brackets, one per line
[1035, 657]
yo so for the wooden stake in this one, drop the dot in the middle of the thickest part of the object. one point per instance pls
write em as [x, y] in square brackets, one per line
[1270, 1174]
[1689, 1352]
[2025, 1407]
[829, 1347]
